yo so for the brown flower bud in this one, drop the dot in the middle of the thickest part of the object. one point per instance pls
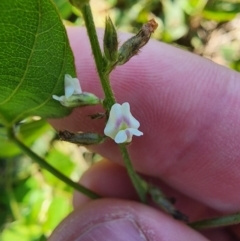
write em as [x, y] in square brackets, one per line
[132, 46]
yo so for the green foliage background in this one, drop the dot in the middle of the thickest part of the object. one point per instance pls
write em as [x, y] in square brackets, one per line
[32, 201]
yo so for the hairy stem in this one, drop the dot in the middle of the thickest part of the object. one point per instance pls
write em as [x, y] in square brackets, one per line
[109, 100]
[139, 184]
[217, 222]
[50, 168]
[109, 97]
[99, 61]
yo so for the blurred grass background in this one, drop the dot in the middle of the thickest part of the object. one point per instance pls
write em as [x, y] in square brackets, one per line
[32, 201]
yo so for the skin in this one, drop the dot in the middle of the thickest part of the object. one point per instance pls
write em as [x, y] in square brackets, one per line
[188, 108]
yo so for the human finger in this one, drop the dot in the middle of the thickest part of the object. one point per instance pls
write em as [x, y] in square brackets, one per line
[188, 109]
[113, 219]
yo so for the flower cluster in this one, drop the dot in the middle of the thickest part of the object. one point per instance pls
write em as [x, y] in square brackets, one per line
[121, 125]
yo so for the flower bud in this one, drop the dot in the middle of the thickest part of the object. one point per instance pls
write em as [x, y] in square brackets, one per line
[110, 41]
[81, 138]
[132, 46]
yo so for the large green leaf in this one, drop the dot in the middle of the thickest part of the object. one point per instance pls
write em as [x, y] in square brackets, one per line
[34, 57]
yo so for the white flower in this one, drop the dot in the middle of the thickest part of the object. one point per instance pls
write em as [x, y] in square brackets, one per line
[72, 87]
[121, 125]
[74, 97]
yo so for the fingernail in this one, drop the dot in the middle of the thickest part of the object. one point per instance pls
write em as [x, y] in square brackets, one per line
[117, 230]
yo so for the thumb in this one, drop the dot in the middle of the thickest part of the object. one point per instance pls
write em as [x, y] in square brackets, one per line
[118, 220]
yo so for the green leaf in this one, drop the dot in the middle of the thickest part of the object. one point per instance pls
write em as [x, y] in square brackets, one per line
[221, 10]
[34, 57]
[218, 16]
[57, 211]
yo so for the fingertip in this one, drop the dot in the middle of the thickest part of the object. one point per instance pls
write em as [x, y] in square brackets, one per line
[112, 219]
[188, 109]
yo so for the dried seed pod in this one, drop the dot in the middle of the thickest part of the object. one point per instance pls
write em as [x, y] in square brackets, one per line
[132, 46]
[84, 139]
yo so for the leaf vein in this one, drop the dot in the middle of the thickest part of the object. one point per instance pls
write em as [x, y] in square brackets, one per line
[29, 60]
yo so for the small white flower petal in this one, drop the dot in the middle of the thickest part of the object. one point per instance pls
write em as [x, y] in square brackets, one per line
[121, 125]
[121, 137]
[135, 132]
[58, 98]
[114, 121]
[72, 86]
[128, 117]
[116, 113]
[68, 85]
[125, 107]
[110, 129]
[130, 132]
[77, 86]
[134, 123]
[129, 135]
[69, 91]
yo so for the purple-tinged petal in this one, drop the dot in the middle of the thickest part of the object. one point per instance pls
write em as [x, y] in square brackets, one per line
[121, 125]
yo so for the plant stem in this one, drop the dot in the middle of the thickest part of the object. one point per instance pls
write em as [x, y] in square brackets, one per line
[140, 185]
[97, 53]
[50, 168]
[165, 204]
[217, 222]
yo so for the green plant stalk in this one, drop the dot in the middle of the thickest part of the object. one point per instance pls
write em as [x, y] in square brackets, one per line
[98, 57]
[217, 222]
[138, 183]
[50, 168]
